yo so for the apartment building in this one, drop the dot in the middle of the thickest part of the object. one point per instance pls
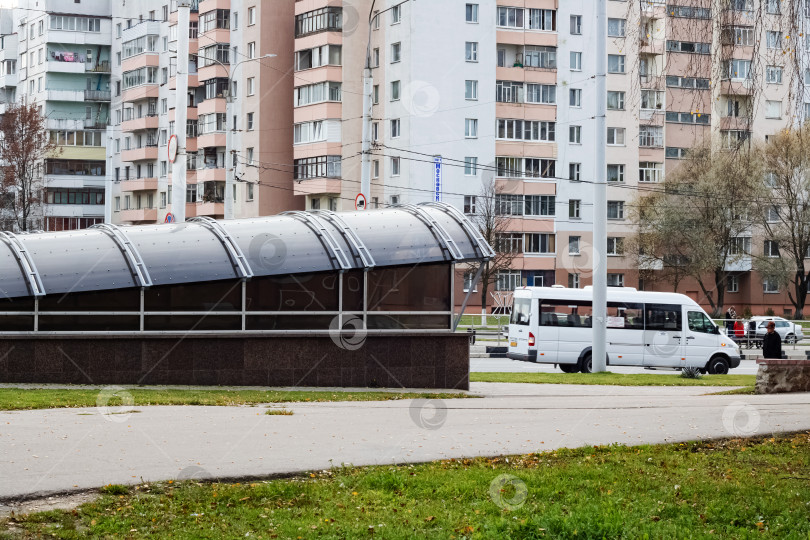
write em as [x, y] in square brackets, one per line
[504, 91]
[239, 123]
[59, 59]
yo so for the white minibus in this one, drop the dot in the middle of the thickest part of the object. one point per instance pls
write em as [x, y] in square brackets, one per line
[552, 325]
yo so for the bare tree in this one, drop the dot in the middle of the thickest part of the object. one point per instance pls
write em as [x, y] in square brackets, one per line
[493, 223]
[700, 214]
[784, 213]
[24, 144]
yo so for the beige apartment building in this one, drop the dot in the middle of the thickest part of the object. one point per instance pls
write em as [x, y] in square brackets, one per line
[239, 124]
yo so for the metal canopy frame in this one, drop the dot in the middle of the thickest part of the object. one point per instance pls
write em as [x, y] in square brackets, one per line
[483, 247]
[449, 245]
[335, 252]
[238, 260]
[27, 266]
[350, 236]
[140, 274]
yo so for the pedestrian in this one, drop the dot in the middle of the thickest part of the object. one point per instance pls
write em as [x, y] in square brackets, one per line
[739, 329]
[771, 343]
[731, 314]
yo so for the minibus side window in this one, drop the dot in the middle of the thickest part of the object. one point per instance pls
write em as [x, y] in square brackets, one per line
[663, 316]
[566, 313]
[698, 322]
[521, 311]
[632, 314]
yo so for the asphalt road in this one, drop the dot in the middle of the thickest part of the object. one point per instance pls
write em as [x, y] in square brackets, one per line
[747, 367]
[60, 450]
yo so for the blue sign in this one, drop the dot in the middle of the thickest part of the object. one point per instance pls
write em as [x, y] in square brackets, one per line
[437, 178]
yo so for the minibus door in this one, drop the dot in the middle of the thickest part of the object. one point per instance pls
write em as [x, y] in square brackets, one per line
[702, 338]
[663, 335]
[548, 332]
[519, 325]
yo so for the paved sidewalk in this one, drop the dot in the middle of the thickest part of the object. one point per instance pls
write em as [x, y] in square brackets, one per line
[62, 450]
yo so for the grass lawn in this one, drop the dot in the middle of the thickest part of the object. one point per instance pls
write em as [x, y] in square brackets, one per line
[12, 399]
[741, 488]
[617, 379]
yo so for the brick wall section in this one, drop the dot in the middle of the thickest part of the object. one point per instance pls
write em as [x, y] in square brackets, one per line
[432, 360]
[779, 376]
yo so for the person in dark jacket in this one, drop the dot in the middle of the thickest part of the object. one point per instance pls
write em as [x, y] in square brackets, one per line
[771, 343]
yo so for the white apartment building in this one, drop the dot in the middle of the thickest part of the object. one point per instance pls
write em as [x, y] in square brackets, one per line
[59, 59]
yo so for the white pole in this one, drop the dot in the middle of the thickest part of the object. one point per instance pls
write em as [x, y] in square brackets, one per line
[181, 112]
[600, 197]
[365, 164]
[230, 168]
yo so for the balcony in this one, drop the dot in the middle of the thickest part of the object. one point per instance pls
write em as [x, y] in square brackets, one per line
[149, 121]
[211, 209]
[97, 95]
[8, 80]
[737, 87]
[101, 67]
[735, 123]
[64, 95]
[145, 153]
[211, 140]
[211, 174]
[143, 214]
[140, 184]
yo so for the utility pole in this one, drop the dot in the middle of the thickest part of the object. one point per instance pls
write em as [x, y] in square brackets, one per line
[368, 88]
[181, 112]
[598, 350]
[230, 166]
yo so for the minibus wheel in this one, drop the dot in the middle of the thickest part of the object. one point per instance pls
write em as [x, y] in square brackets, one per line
[586, 364]
[569, 368]
[717, 366]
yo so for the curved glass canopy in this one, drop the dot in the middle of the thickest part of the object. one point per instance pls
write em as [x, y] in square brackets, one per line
[204, 250]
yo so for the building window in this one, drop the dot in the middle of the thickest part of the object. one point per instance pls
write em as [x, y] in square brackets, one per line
[615, 210]
[773, 39]
[471, 90]
[539, 205]
[773, 109]
[615, 245]
[396, 14]
[249, 121]
[470, 128]
[395, 166]
[616, 63]
[471, 51]
[615, 280]
[469, 204]
[468, 284]
[733, 284]
[395, 86]
[651, 136]
[541, 93]
[376, 94]
[396, 52]
[575, 134]
[507, 280]
[542, 243]
[573, 245]
[615, 136]
[251, 86]
[649, 171]
[470, 166]
[375, 167]
[574, 171]
[770, 285]
[615, 173]
[375, 58]
[771, 249]
[471, 15]
[616, 27]
[251, 16]
[251, 50]
[574, 208]
[396, 130]
[510, 17]
[526, 130]
[773, 75]
[576, 61]
[576, 25]
[615, 101]
[573, 281]
[575, 97]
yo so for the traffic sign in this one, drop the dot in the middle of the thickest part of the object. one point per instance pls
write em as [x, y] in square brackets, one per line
[360, 202]
[169, 218]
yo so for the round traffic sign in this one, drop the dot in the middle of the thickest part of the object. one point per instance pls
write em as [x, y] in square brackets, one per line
[173, 142]
[169, 218]
[360, 202]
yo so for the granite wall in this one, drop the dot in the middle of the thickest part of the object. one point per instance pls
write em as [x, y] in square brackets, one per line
[425, 360]
[779, 376]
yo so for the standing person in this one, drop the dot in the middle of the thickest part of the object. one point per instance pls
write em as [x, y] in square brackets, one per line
[771, 343]
[739, 329]
[731, 314]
